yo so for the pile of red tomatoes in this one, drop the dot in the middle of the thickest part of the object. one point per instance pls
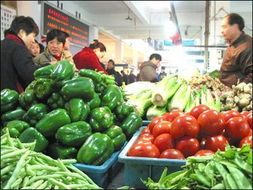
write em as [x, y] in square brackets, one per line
[201, 132]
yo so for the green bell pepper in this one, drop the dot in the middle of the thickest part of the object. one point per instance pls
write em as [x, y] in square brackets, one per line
[64, 70]
[81, 87]
[9, 100]
[35, 113]
[16, 114]
[43, 88]
[30, 86]
[94, 102]
[31, 134]
[44, 72]
[73, 134]
[16, 127]
[94, 75]
[101, 119]
[27, 99]
[55, 101]
[52, 121]
[56, 151]
[77, 109]
[112, 97]
[123, 110]
[131, 124]
[117, 136]
[96, 149]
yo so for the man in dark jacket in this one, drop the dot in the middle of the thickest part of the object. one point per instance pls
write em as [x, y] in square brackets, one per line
[237, 62]
[17, 66]
[148, 69]
[111, 71]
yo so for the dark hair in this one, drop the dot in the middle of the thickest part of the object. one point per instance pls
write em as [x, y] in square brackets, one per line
[110, 60]
[22, 23]
[40, 45]
[234, 18]
[156, 56]
[66, 34]
[58, 34]
[96, 44]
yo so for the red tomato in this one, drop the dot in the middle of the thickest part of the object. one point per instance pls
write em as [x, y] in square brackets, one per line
[216, 142]
[184, 125]
[245, 113]
[170, 116]
[154, 122]
[164, 141]
[204, 153]
[197, 110]
[237, 128]
[144, 150]
[203, 143]
[246, 140]
[188, 146]
[230, 114]
[146, 136]
[211, 123]
[172, 154]
[250, 132]
[161, 127]
[142, 141]
[146, 130]
[249, 119]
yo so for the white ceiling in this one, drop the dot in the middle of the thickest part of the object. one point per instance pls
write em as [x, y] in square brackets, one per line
[149, 21]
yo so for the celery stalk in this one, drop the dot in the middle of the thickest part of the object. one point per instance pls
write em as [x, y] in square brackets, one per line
[165, 90]
[190, 104]
[203, 95]
[155, 111]
[181, 98]
[209, 99]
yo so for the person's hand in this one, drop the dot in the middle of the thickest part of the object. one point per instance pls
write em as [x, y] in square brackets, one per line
[67, 54]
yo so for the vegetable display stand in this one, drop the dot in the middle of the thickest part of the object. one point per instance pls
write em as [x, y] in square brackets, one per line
[137, 168]
[102, 175]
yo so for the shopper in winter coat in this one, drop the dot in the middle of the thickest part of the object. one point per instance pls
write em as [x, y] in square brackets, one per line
[89, 57]
[131, 77]
[111, 71]
[17, 66]
[237, 62]
[55, 49]
[148, 69]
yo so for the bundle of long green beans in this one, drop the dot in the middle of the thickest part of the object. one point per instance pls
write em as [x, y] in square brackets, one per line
[231, 169]
[22, 168]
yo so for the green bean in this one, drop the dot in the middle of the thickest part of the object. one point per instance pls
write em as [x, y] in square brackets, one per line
[202, 179]
[35, 178]
[25, 181]
[13, 154]
[231, 182]
[240, 179]
[68, 161]
[218, 186]
[15, 174]
[43, 185]
[9, 140]
[243, 165]
[30, 171]
[16, 184]
[44, 167]
[36, 184]
[7, 169]
[61, 185]
[61, 165]
[3, 152]
[82, 174]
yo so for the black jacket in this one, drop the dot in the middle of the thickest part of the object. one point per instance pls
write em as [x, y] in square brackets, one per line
[117, 76]
[16, 65]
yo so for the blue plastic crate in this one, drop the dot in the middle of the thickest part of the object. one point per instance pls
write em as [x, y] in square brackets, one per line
[145, 122]
[137, 168]
[102, 175]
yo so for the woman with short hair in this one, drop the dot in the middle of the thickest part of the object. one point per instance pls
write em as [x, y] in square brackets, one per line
[17, 65]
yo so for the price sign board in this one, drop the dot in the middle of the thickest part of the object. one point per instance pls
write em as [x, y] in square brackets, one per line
[53, 18]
